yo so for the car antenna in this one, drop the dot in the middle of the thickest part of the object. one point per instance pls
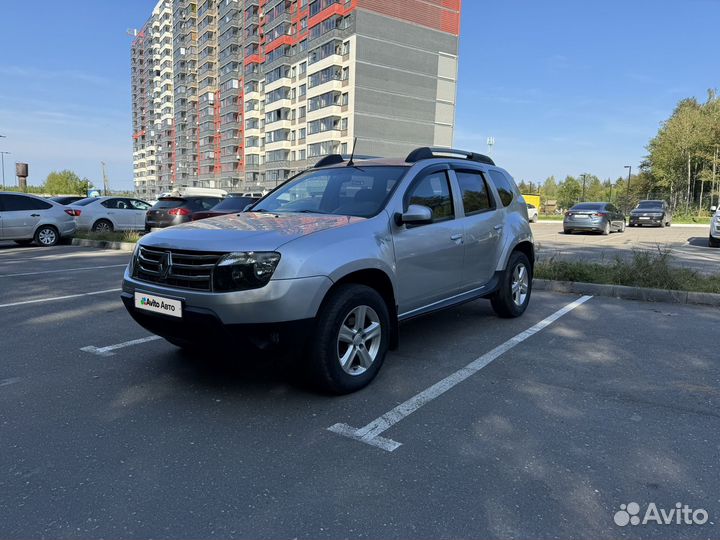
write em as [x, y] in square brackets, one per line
[352, 155]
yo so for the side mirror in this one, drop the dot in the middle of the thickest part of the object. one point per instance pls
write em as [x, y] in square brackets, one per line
[416, 214]
[713, 208]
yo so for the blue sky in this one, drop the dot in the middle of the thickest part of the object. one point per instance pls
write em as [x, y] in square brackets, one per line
[565, 87]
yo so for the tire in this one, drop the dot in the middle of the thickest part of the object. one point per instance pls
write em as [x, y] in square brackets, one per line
[567, 231]
[713, 242]
[102, 226]
[606, 230]
[668, 223]
[509, 301]
[329, 346]
[47, 236]
[622, 227]
[534, 219]
[23, 242]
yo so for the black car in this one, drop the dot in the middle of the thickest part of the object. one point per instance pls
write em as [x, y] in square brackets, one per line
[170, 211]
[651, 212]
[229, 205]
[66, 199]
[602, 217]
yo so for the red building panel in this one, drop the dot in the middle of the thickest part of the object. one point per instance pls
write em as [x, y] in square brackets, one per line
[442, 15]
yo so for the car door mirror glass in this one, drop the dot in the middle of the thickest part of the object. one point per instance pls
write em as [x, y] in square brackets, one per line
[416, 214]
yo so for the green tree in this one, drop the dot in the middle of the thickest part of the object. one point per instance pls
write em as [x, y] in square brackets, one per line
[549, 189]
[569, 192]
[65, 183]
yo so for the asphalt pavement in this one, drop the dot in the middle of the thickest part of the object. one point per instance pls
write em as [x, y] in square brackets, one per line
[106, 432]
[687, 245]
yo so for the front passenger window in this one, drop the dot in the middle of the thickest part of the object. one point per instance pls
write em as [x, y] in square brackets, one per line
[432, 191]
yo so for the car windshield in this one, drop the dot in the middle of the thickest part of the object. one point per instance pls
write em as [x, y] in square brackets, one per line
[233, 203]
[169, 203]
[85, 202]
[649, 204]
[346, 191]
[588, 206]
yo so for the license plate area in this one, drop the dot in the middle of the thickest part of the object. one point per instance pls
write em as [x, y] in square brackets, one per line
[162, 305]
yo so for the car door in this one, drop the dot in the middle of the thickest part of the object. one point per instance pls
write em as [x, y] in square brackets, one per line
[482, 223]
[20, 215]
[119, 212]
[139, 209]
[616, 218]
[428, 257]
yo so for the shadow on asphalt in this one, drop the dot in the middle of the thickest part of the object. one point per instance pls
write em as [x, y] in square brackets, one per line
[698, 241]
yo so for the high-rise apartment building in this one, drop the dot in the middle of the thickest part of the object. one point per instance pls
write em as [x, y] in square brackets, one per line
[263, 88]
[152, 102]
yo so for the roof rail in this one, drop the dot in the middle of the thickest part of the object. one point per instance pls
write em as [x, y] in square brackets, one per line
[332, 159]
[430, 152]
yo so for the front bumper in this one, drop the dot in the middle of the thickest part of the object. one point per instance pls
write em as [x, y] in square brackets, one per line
[646, 220]
[715, 229]
[279, 301]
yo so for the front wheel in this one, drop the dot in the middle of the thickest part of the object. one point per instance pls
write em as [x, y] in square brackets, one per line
[713, 242]
[513, 295]
[47, 236]
[350, 340]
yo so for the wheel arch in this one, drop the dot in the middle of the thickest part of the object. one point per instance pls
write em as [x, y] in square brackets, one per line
[378, 280]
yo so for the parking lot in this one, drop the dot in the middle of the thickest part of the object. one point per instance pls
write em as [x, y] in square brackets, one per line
[537, 427]
[688, 245]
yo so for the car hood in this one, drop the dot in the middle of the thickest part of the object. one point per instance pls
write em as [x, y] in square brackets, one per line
[248, 231]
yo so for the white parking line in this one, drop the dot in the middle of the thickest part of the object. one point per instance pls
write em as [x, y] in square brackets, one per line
[64, 270]
[39, 300]
[370, 434]
[8, 382]
[108, 351]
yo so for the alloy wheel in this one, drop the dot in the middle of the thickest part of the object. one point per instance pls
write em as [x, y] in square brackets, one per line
[520, 284]
[359, 340]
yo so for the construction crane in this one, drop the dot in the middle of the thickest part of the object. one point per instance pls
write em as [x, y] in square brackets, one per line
[106, 182]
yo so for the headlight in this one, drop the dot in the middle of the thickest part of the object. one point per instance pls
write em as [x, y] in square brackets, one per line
[244, 270]
[131, 264]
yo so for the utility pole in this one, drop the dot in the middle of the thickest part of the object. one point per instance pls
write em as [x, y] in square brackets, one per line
[713, 178]
[584, 177]
[490, 144]
[3, 168]
[106, 182]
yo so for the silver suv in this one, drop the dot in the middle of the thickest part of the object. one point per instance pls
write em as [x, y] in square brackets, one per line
[334, 259]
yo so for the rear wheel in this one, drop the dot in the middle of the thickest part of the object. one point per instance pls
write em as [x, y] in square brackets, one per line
[47, 236]
[606, 229]
[622, 227]
[567, 231]
[350, 340]
[713, 242]
[102, 226]
[513, 295]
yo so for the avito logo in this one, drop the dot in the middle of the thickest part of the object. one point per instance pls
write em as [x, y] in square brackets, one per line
[150, 302]
[629, 514]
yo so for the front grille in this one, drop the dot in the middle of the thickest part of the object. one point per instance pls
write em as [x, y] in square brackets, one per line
[176, 268]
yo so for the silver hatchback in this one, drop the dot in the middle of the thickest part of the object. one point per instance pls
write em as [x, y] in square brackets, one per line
[27, 218]
[334, 259]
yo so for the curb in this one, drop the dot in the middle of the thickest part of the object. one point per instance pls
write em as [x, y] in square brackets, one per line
[104, 244]
[674, 225]
[629, 293]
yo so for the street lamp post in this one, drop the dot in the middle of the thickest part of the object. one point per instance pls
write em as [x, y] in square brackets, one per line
[584, 177]
[629, 168]
[2, 154]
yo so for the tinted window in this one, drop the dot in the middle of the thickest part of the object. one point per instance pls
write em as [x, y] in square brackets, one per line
[504, 187]
[589, 206]
[169, 203]
[474, 192]
[650, 204]
[85, 202]
[232, 204]
[205, 203]
[17, 203]
[432, 191]
[119, 204]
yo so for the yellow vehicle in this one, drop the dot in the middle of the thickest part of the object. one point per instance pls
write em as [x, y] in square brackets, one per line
[533, 199]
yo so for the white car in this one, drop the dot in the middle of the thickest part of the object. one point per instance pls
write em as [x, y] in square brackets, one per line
[714, 239]
[108, 214]
[532, 213]
[27, 218]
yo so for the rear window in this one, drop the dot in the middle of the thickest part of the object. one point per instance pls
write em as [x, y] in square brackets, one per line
[234, 203]
[588, 206]
[85, 202]
[504, 187]
[650, 204]
[169, 203]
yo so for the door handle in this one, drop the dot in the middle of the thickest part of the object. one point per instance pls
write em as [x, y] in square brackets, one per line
[498, 227]
[34, 215]
[456, 237]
